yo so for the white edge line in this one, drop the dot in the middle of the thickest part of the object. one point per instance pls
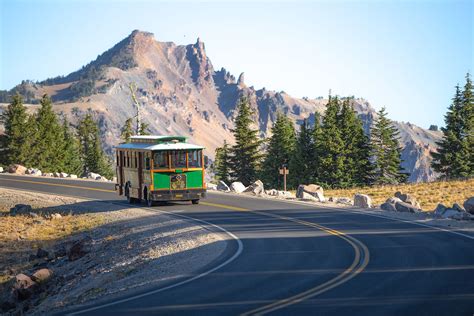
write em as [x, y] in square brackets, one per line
[354, 211]
[236, 254]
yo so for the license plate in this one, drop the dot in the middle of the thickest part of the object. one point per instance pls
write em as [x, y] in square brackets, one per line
[179, 195]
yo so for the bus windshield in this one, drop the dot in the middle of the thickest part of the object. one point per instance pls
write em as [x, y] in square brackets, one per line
[194, 158]
[160, 160]
[178, 159]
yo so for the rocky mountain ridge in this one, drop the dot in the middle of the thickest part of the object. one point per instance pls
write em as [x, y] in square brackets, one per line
[181, 93]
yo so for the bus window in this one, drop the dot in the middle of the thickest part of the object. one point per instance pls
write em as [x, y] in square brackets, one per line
[160, 160]
[147, 161]
[135, 160]
[178, 159]
[194, 159]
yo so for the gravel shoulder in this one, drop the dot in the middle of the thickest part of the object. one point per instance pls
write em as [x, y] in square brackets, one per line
[128, 249]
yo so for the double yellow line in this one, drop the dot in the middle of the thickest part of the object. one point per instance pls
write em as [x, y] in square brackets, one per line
[361, 260]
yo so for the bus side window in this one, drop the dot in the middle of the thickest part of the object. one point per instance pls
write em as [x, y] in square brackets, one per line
[160, 160]
[194, 158]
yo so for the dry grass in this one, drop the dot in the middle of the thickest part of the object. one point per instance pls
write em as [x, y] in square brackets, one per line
[428, 194]
[21, 235]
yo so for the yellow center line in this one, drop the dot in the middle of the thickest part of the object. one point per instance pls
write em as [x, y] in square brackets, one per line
[62, 185]
[234, 208]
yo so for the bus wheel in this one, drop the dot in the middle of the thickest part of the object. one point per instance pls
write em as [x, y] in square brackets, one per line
[150, 202]
[195, 201]
[130, 199]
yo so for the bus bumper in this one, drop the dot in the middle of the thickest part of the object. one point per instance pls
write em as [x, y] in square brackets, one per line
[178, 195]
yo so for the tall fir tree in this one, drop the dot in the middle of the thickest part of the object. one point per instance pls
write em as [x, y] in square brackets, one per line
[468, 123]
[143, 129]
[331, 147]
[386, 152]
[356, 149]
[316, 150]
[50, 139]
[93, 156]
[280, 150]
[452, 159]
[127, 130]
[245, 154]
[15, 142]
[71, 158]
[301, 168]
[222, 163]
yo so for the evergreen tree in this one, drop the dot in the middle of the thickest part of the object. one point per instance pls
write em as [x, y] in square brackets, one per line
[316, 150]
[222, 163]
[50, 141]
[356, 151]
[455, 155]
[93, 156]
[301, 168]
[127, 130]
[71, 159]
[386, 151]
[15, 143]
[280, 150]
[245, 154]
[143, 130]
[468, 123]
[331, 147]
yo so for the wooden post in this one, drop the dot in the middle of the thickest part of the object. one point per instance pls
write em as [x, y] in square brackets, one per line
[284, 172]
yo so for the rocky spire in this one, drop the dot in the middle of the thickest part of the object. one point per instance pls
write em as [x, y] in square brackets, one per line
[240, 81]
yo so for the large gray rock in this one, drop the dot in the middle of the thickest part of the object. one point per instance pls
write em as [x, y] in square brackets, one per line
[456, 212]
[222, 186]
[17, 169]
[310, 192]
[1, 169]
[389, 204]
[285, 194]
[407, 198]
[439, 210]
[73, 176]
[406, 208]
[469, 205]
[343, 200]
[24, 287]
[362, 201]
[63, 175]
[271, 192]
[211, 186]
[21, 209]
[92, 175]
[237, 187]
[42, 276]
[255, 188]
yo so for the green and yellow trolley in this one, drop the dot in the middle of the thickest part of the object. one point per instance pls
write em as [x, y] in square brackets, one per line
[160, 168]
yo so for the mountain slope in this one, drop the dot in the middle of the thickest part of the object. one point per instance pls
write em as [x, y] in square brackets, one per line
[182, 93]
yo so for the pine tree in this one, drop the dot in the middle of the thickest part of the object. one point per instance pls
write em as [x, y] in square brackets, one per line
[245, 154]
[15, 120]
[71, 159]
[93, 156]
[386, 151]
[143, 130]
[280, 150]
[331, 147]
[300, 161]
[316, 150]
[50, 139]
[468, 124]
[127, 130]
[222, 163]
[356, 151]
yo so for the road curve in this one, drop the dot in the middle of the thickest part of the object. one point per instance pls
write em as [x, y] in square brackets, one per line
[300, 259]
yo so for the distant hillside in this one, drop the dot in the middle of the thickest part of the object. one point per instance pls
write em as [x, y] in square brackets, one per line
[182, 93]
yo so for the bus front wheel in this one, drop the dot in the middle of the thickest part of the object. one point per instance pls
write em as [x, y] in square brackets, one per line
[195, 201]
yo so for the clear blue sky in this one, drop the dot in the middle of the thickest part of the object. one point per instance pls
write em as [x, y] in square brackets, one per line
[405, 55]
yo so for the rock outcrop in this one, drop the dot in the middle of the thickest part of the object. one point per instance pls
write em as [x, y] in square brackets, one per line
[237, 187]
[311, 192]
[222, 186]
[255, 188]
[362, 201]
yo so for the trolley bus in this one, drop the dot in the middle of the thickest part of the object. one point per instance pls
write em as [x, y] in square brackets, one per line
[159, 169]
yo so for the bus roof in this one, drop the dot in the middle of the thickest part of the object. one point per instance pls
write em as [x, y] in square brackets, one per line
[150, 142]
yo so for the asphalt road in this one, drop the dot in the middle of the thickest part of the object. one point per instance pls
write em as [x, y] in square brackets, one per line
[295, 259]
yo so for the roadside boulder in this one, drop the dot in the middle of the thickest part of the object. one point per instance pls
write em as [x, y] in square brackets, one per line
[63, 175]
[56, 216]
[1, 169]
[101, 178]
[56, 174]
[237, 187]
[362, 201]
[48, 174]
[21, 209]
[312, 192]
[72, 176]
[404, 207]
[342, 200]
[439, 210]
[469, 205]
[80, 248]
[92, 175]
[23, 287]
[455, 212]
[285, 194]
[407, 198]
[212, 186]
[255, 188]
[42, 276]
[17, 169]
[222, 186]
[271, 192]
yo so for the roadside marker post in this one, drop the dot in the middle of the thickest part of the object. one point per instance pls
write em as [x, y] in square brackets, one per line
[284, 172]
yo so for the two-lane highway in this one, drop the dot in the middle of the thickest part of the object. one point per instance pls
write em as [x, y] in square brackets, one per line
[300, 259]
